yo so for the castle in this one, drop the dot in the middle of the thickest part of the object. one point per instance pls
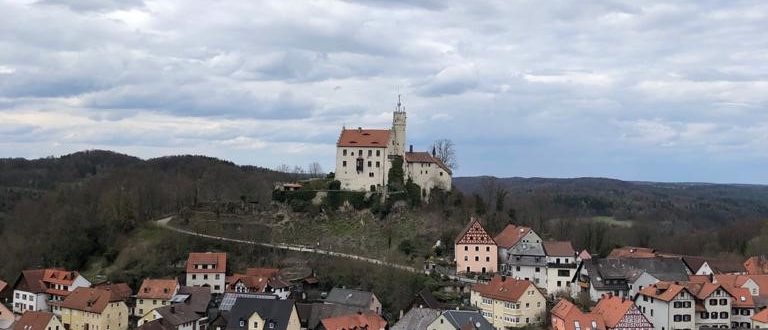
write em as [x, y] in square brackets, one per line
[365, 156]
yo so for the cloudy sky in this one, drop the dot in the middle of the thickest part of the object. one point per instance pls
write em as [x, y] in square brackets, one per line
[637, 90]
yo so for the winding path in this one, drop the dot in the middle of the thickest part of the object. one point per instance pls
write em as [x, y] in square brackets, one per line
[164, 223]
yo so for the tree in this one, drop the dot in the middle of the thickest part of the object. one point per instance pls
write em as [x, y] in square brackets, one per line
[396, 179]
[445, 151]
[314, 170]
[283, 168]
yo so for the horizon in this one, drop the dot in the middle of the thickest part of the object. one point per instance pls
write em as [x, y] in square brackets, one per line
[651, 91]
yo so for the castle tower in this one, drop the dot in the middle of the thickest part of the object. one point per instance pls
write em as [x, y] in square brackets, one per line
[398, 129]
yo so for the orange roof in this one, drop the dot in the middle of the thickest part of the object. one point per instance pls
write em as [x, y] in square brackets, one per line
[570, 314]
[253, 283]
[757, 265]
[474, 233]
[89, 300]
[366, 320]
[217, 259]
[559, 249]
[157, 289]
[759, 317]
[741, 297]
[511, 234]
[613, 309]
[59, 276]
[502, 288]
[425, 157]
[664, 291]
[632, 252]
[33, 320]
[371, 138]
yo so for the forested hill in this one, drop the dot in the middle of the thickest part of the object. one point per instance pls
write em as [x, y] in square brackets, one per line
[59, 211]
[697, 205]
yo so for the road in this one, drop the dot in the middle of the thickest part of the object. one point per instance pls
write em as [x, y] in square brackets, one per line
[164, 223]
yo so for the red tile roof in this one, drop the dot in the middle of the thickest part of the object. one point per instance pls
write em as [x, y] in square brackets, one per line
[511, 234]
[366, 320]
[217, 259]
[570, 314]
[559, 249]
[613, 309]
[502, 288]
[89, 300]
[741, 297]
[370, 138]
[632, 252]
[157, 289]
[38, 280]
[59, 276]
[119, 290]
[474, 233]
[664, 291]
[425, 157]
[761, 317]
[33, 320]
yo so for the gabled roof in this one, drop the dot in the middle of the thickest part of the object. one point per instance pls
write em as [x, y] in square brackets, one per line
[429, 300]
[474, 233]
[33, 320]
[467, 320]
[663, 269]
[632, 252]
[254, 283]
[197, 297]
[417, 319]
[369, 138]
[157, 289]
[178, 314]
[217, 259]
[36, 280]
[119, 291]
[664, 291]
[559, 249]
[723, 266]
[701, 290]
[276, 312]
[570, 314]
[59, 276]
[367, 320]
[612, 309]
[741, 297]
[348, 297]
[502, 288]
[762, 316]
[311, 314]
[425, 157]
[89, 300]
[511, 234]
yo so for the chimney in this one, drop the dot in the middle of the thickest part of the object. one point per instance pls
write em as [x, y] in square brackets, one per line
[411, 148]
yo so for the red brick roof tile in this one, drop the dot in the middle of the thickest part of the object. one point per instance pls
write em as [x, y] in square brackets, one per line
[157, 289]
[217, 259]
[511, 234]
[502, 288]
[369, 138]
[366, 320]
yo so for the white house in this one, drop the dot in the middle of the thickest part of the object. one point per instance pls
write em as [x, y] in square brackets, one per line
[521, 255]
[207, 269]
[667, 305]
[561, 266]
[44, 289]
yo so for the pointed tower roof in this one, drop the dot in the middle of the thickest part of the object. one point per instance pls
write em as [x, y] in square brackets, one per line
[474, 233]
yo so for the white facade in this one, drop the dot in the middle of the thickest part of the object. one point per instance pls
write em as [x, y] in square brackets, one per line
[718, 310]
[374, 172]
[27, 301]
[642, 281]
[526, 260]
[678, 313]
[213, 280]
[560, 271]
[428, 175]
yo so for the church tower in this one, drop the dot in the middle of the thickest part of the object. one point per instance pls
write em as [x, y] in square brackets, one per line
[398, 129]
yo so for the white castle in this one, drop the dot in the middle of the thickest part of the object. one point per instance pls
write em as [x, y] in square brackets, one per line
[364, 158]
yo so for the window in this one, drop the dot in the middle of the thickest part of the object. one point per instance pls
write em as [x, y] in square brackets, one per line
[255, 325]
[205, 276]
[713, 315]
[678, 318]
[360, 152]
[559, 284]
[704, 315]
[477, 248]
[517, 268]
[466, 248]
[369, 163]
[713, 302]
[651, 312]
[687, 304]
[537, 269]
[378, 153]
[487, 259]
[687, 318]
[466, 258]
[723, 315]
[487, 249]
[563, 273]
[378, 164]
[723, 302]
[194, 277]
[344, 163]
[359, 166]
[218, 276]
[477, 258]
[370, 175]
[344, 152]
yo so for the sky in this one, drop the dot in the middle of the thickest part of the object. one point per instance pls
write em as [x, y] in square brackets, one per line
[635, 90]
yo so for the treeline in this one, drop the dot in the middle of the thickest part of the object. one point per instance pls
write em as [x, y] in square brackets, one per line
[87, 204]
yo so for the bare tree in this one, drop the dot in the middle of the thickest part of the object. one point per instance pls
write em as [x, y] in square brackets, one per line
[314, 169]
[283, 168]
[445, 151]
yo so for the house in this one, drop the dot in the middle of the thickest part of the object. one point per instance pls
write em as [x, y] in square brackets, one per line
[667, 305]
[255, 280]
[619, 313]
[418, 318]
[258, 314]
[521, 254]
[311, 314]
[35, 320]
[561, 266]
[94, 309]
[207, 269]
[362, 300]
[476, 251]
[713, 304]
[566, 316]
[632, 252]
[154, 293]
[742, 307]
[365, 156]
[460, 320]
[39, 289]
[720, 266]
[176, 316]
[425, 298]
[760, 320]
[7, 318]
[354, 321]
[624, 277]
[229, 299]
[507, 302]
[756, 265]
